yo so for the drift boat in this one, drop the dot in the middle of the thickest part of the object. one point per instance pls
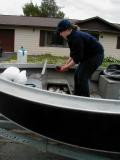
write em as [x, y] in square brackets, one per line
[91, 123]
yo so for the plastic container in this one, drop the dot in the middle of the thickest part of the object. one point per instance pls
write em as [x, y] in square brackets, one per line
[22, 55]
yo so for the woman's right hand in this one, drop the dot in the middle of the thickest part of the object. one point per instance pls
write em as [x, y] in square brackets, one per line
[61, 68]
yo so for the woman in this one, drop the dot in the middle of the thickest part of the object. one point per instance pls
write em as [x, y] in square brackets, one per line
[85, 51]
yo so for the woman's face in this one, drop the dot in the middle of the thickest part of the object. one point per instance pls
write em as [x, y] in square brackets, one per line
[65, 33]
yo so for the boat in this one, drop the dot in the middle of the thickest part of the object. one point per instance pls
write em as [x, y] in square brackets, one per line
[91, 123]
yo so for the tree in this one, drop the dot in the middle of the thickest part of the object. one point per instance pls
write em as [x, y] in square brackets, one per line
[30, 9]
[48, 8]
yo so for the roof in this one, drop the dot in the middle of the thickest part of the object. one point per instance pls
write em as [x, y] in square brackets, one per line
[116, 24]
[29, 21]
[111, 26]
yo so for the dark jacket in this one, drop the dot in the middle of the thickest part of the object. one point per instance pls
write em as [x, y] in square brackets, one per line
[83, 46]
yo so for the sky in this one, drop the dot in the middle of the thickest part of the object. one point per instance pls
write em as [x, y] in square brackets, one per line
[74, 9]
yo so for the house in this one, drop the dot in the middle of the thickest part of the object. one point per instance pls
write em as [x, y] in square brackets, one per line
[107, 33]
[37, 34]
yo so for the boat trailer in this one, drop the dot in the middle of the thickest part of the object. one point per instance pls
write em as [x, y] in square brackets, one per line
[46, 145]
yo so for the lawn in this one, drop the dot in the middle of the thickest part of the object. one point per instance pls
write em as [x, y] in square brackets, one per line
[58, 59]
[40, 59]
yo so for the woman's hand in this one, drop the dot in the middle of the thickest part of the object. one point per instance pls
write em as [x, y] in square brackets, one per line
[66, 66]
[62, 68]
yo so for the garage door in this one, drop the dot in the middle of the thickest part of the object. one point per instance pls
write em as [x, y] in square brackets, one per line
[7, 39]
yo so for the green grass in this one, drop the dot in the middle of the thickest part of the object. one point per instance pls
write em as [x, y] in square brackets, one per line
[41, 58]
[58, 59]
[50, 58]
[110, 60]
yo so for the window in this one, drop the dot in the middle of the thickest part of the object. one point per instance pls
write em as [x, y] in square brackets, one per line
[42, 38]
[49, 38]
[118, 42]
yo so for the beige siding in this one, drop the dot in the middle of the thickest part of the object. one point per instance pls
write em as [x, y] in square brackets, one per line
[29, 38]
[109, 41]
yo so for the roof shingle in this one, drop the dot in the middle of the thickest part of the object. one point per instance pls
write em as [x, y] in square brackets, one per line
[29, 21]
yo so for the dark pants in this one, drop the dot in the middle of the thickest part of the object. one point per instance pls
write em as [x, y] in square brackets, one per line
[83, 74]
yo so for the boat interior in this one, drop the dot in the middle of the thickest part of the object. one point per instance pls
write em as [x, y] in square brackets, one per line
[101, 85]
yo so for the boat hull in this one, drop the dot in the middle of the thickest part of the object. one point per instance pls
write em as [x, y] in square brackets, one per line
[81, 128]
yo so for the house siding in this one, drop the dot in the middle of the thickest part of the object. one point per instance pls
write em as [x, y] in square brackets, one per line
[29, 38]
[109, 42]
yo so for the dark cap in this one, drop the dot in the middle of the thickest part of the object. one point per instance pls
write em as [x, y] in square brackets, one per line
[63, 25]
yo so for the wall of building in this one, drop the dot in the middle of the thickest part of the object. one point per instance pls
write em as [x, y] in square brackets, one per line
[109, 41]
[29, 39]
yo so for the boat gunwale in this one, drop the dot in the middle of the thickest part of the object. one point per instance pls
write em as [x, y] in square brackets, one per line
[65, 101]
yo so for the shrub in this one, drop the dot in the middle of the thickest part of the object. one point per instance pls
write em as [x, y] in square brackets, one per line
[110, 60]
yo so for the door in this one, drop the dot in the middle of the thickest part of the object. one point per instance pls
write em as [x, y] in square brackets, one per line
[7, 40]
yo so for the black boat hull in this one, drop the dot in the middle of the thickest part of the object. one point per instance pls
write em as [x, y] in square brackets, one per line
[86, 129]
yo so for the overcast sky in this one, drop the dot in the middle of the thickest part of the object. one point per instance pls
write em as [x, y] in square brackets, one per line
[74, 9]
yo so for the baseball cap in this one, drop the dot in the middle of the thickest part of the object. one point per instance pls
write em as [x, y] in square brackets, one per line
[63, 25]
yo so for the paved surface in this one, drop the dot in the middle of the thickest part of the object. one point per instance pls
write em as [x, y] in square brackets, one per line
[6, 56]
[17, 151]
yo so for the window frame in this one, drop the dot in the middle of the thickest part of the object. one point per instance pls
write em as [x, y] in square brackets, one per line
[118, 42]
[45, 38]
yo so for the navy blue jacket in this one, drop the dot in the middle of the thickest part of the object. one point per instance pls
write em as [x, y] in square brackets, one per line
[83, 46]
